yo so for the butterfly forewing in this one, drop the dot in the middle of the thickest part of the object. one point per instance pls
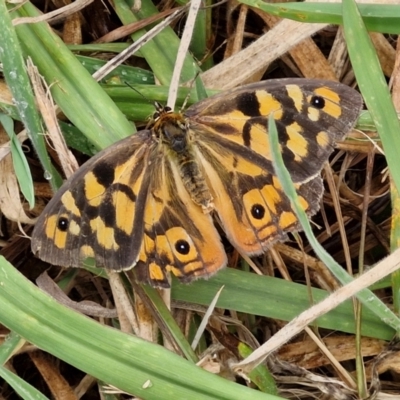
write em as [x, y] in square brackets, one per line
[97, 212]
[311, 115]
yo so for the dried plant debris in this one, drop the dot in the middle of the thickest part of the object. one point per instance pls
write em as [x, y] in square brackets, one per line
[233, 44]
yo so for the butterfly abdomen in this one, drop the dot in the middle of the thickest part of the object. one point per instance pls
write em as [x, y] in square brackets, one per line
[172, 131]
[194, 181]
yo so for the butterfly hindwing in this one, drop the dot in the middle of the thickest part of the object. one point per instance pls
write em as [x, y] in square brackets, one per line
[178, 236]
[249, 200]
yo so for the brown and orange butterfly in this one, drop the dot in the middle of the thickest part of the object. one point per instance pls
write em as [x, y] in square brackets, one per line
[151, 201]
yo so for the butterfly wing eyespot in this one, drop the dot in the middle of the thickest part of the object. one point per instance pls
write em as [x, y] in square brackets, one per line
[257, 211]
[62, 224]
[318, 102]
[182, 246]
[146, 201]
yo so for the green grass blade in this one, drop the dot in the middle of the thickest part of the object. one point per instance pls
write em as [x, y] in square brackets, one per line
[20, 163]
[260, 375]
[383, 18]
[136, 366]
[365, 296]
[100, 47]
[10, 346]
[18, 82]
[163, 47]
[143, 98]
[74, 90]
[373, 85]
[123, 74]
[169, 322]
[202, 36]
[23, 389]
[377, 97]
[283, 300]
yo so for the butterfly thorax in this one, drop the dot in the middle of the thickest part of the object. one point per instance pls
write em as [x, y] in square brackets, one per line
[172, 131]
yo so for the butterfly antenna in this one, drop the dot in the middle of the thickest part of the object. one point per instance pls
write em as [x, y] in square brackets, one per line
[159, 108]
[137, 91]
[192, 82]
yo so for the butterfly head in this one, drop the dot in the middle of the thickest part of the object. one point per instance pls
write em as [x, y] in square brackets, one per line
[160, 110]
[171, 129]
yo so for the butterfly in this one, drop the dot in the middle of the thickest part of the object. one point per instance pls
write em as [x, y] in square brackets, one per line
[154, 200]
